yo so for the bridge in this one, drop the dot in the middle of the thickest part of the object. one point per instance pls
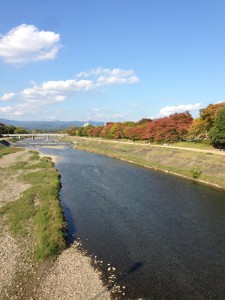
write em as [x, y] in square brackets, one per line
[35, 135]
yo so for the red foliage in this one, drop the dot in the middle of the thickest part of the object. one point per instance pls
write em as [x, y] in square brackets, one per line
[169, 129]
[133, 133]
[94, 132]
[105, 131]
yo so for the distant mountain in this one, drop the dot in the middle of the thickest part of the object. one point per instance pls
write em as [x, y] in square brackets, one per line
[48, 125]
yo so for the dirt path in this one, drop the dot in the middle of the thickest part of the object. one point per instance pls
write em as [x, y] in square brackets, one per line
[213, 151]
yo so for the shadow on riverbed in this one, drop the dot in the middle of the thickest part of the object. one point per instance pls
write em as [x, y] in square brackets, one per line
[134, 268]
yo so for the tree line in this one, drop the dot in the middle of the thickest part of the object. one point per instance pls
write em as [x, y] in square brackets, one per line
[177, 127]
[10, 129]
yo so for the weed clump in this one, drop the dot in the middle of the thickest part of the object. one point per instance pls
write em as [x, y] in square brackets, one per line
[195, 173]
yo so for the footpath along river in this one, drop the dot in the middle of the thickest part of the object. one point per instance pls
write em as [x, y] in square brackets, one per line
[164, 235]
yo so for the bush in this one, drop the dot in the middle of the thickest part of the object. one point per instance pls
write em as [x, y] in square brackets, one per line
[195, 173]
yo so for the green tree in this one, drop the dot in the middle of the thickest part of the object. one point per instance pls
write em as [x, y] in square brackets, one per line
[10, 129]
[217, 132]
[80, 131]
[20, 130]
[208, 115]
[143, 121]
[86, 129]
[72, 130]
[2, 128]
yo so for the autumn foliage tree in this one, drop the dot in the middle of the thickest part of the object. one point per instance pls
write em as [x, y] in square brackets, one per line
[106, 129]
[116, 131]
[134, 133]
[197, 129]
[95, 131]
[72, 130]
[169, 129]
[208, 115]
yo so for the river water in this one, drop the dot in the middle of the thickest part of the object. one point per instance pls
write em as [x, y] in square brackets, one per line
[165, 236]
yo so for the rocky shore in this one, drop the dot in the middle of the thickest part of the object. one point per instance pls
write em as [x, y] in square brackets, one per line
[72, 277]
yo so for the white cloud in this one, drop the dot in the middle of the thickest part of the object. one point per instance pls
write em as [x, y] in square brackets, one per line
[6, 109]
[104, 115]
[91, 72]
[25, 43]
[169, 110]
[110, 76]
[37, 97]
[7, 96]
[68, 85]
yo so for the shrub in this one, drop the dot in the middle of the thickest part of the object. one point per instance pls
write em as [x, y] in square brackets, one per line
[195, 173]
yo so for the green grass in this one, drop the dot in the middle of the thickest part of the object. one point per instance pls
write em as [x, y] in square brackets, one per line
[205, 145]
[37, 213]
[14, 139]
[7, 150]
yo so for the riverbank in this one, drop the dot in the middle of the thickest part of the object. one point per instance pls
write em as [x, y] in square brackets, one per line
[199, 165]
[32, 235]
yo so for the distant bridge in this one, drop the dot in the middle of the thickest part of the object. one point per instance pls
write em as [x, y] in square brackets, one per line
[35, 135]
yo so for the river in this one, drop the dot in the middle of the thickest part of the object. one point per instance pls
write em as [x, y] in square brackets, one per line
[164, 235]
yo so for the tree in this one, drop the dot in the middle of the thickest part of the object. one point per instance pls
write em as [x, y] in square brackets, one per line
[72, 130]
[80, 131]
[208, 115]
[116, 131]
[129, 124]
[217, 132]
[106, 129]
[143, 121]
[169, 129]
[197, 129]
[134, 133]
[20, 130]
[2, 128]
[86, 128]
[10, 129]
[95, 132]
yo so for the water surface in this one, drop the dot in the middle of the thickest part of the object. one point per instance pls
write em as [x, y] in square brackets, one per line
[171, 229]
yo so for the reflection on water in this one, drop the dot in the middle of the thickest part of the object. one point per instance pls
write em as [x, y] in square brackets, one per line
[170, 231]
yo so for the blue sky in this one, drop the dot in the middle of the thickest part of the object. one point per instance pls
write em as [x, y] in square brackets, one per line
[110, 60]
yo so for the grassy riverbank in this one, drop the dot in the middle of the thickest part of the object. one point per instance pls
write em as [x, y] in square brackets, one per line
[202, 166]
[32, 227]
[37, 212]
[7, 150]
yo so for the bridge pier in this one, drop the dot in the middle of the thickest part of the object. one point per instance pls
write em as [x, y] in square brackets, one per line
[47, 137]
[32, 137]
